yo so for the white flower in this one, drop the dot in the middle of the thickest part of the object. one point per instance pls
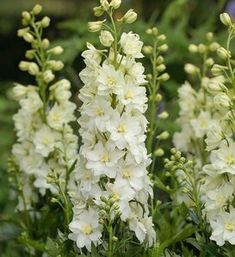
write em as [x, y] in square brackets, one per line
[122, 194]
[131, 45]
[86, 229]
[60, 90]
[124, 130]
[202, 124]
[106, 38]
[103, 159]
[223, 159]
[144, 229]
[45, 140]
[109, 80]
[92, 55]
[223, 228]
[133, 96]
[32, 103]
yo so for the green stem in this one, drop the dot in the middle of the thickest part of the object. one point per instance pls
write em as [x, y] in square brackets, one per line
[110, 246]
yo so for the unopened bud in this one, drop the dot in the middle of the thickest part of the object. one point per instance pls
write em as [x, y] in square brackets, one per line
[45, 43]
[22, 32]
[130, 17]
[147, 50]
[225, 19]
[98, 11]
[163, 136]
[160, 60]
[193, 48]
[45, 22]
[56, 50]
[217, 69]
[191, 69]
[115, 4]
[201, 48]
[26, 16]
[158, 98]
[94, 26]
[163, 115]
[30, 54]
[162, 37]
[159, 152]
[161, 67]
[149, 31]
[209, 36]
[214, 46]
[37, 9]
[106, 38]
[33, 69]
[209, 62]
[48, 76]
[221, 100]
[164, 77]
[56, 65]
[223, 53]
[105, 4]
[154, 31]
[28, 37]
[163, 48]
[24, 65]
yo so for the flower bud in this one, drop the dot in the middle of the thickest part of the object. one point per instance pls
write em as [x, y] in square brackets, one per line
[22, 32]
[214, 86]
[201, 48]
[30, 54]
[158, 98]
[217, 69]
[48, 76]
[161, 67]
[191, 69]
[28, 37]
[115, 4]
[160, 60]
[45, 43]
[37, 9]
[223, 53]
[56, 50]
[106, 38]
[19, 91]
[221, 100]
[163, 136]
[209, 62]
[163, 115]
[45, 22]
[164, 77]
[26, 16]
[24, 65]
[95, 26]
[161, 37]
[98, 11]
[149, 77]
[56, 65]
[105, 4]
[225, 19]
[149, 31]
[163, 48]
[130, 17]
[33, 69]
[193, 48]
[159, 152]
[154, 31]
[209, 36]
[214, 46]
[147, 50]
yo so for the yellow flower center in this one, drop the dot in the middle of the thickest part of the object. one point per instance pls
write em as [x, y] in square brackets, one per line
[122, 128]
[45, 141]
[230, 226]
[104, 158]
[55, 117]
[220, 200]
[230, 159]
[87, 175]
[126, 174]
[116, 197]
[111, 81]
[99, 111]
[86, 229]
[129, 95]
[203, 124]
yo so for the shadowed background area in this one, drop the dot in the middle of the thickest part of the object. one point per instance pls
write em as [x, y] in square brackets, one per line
[183, 22]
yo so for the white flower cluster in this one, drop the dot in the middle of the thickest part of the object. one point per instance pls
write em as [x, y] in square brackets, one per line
[113, 157]
[45, 140]
[207, 118]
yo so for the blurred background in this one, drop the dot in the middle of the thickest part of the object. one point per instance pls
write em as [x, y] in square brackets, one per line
[183, 22]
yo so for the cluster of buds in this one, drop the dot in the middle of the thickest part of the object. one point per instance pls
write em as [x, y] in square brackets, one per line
[108, 7]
